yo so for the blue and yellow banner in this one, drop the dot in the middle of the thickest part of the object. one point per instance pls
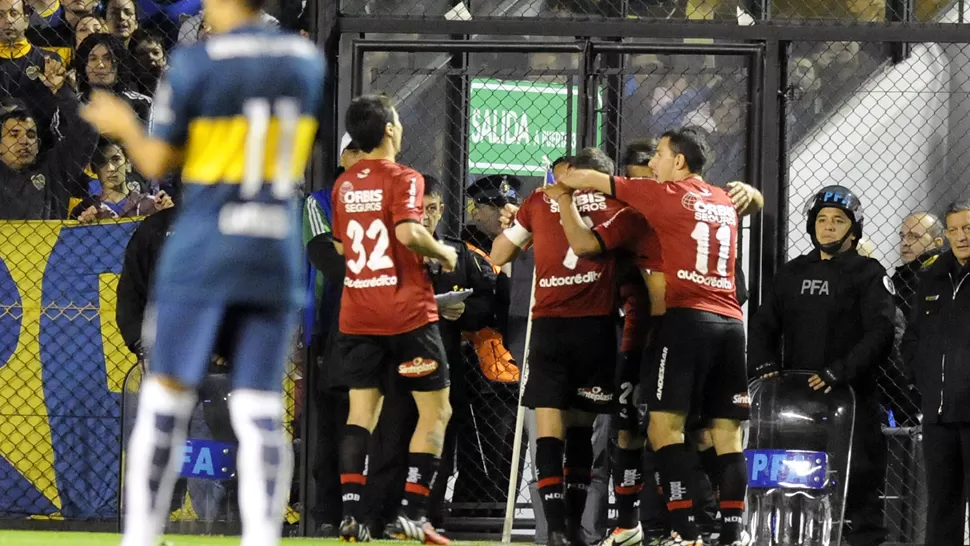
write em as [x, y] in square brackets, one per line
[62, 365]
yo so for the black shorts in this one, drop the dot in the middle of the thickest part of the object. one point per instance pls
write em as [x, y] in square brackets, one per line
[631, 410]
[572, 364]
[699, 367]
[418, 356]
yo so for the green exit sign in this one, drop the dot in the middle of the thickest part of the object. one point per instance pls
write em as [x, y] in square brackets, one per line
[516, 126]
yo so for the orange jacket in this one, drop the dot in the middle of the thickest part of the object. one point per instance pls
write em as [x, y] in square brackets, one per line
[496, 361]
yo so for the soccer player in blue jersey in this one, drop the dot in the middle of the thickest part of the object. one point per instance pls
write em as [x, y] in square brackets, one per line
[235, 114]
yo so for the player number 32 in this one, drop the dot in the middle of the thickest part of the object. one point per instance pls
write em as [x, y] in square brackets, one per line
[377, 258]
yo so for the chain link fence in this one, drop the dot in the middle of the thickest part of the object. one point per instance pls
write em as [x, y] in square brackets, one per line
[896, 134]
[795, 11]
[70, 202]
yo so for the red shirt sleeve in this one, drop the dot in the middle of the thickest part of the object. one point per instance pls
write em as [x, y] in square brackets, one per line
[407, 197]
[647, 249]
[640, 193]
[620, 229]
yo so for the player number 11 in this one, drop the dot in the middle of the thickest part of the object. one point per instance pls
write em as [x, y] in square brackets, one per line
[259, 114]
[702, 234]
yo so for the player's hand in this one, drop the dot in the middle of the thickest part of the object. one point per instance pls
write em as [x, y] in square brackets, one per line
[109, 114]
[741, 194]
[452, 312]
[506, 215]
[817, 383]
[89, 216]
[218, 360]
[555, 191]
[766, 370]
[578, 179]
[163, 201]
[449, 259]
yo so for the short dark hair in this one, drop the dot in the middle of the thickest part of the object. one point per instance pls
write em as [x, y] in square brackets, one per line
[595, 159]
[640, 151]
[956, 207]
[567, 159]
[691, 143]
[18, 114]
[100, 157]
[367, 118]
[432, 186]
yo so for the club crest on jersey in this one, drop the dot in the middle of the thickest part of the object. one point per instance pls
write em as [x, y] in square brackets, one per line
[359, 200]
[709, 212]
[419, 367]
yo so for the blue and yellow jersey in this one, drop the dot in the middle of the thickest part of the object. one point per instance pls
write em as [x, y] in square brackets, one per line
[242, 106]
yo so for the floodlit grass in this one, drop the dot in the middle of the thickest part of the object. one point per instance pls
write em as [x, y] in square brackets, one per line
[37, 538]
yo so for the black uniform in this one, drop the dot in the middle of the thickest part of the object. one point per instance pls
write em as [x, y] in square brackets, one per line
[43, 190]
[835, 317]
[936, 347]
[388, 460]
[137, 272]
[906, 279]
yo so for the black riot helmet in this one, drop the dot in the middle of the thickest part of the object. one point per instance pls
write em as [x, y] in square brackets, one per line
[841, 198]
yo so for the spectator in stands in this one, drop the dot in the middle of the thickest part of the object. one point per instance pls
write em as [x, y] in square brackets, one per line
[103, 62]
[122, 16]
[59, 35]
[20, 65]
[920, 243]
[193, 29]
[35, 185]
[119, 197]
[86, 26]
[151, 60]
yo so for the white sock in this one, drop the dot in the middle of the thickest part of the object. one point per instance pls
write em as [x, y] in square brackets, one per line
[154, 455]
[264, 464]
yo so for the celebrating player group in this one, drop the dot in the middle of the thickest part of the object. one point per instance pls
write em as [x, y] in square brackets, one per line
[683, 333]
[236, 116]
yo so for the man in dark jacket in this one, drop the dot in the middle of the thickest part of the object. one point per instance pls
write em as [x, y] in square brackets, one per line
[387, 465]
[137, 272]
[920, 242]
[831, 312]
[39, 186]
[936, 347]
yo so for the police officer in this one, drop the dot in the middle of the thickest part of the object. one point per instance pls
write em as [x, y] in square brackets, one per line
[936, 348]
[831, 312]
[487, 197]
[387, 466]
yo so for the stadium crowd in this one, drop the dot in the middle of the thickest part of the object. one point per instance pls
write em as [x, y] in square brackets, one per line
[52, 56]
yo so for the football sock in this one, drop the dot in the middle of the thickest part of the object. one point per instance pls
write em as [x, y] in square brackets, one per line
[733, 485]
[711, 466]
[353, 460]
[264, 464]
[422, 471]
[549, 453]
[155, 454]
[578, 467]
[676, 463]
[627, 484]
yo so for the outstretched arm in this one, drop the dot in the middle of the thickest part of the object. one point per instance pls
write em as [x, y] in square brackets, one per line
[587, 179]
[116, 119]
[746, 198]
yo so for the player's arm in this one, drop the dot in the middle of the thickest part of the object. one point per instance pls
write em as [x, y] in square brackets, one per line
[419, 240]
[588, 179]
[584, 241]
[407, 208]
[517, 237]
[746, 198]
[156, 154]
